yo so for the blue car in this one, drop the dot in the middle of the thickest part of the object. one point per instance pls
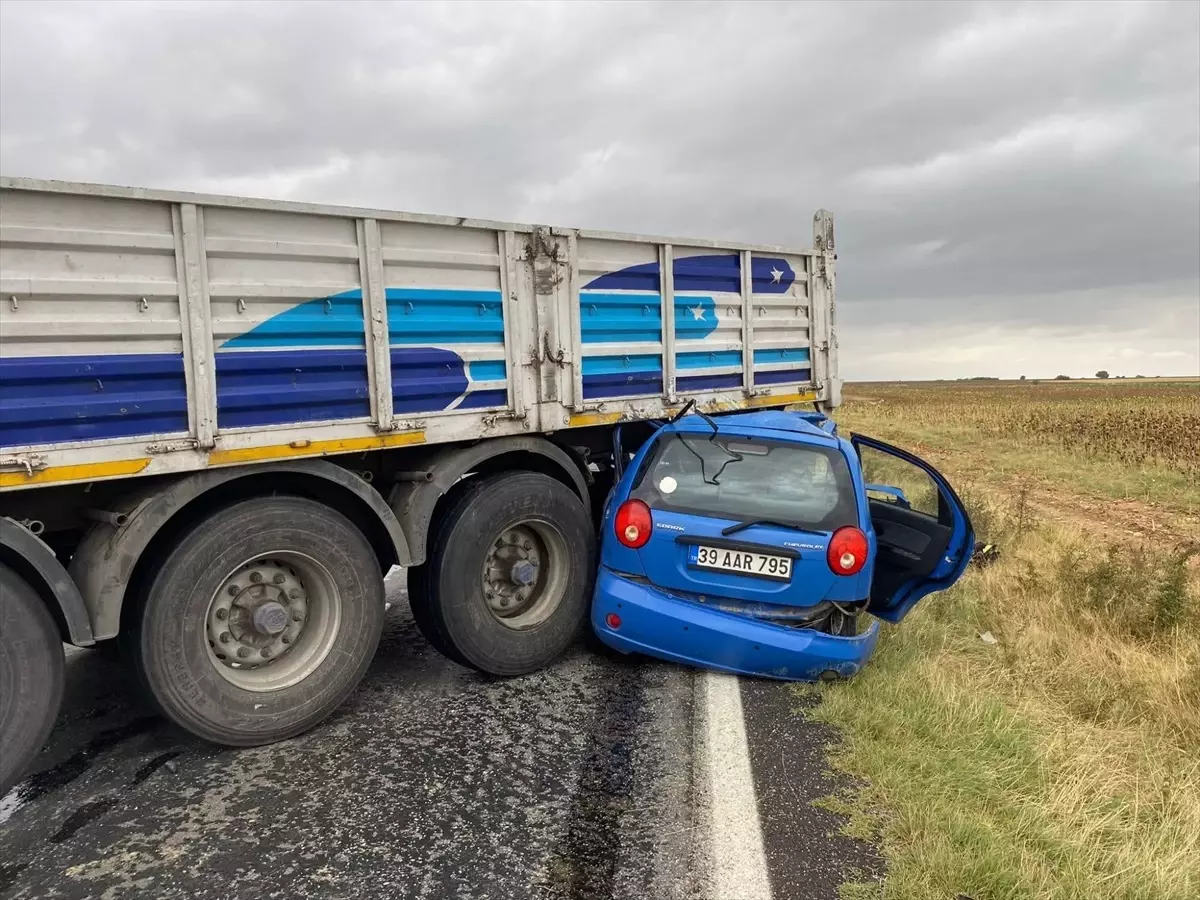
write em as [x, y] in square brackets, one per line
[755, 543]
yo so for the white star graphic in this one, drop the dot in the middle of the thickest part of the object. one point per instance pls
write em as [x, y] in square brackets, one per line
[775, 275]
[698, 313]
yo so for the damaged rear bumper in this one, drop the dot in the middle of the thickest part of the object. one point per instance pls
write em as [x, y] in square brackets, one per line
[681, 631]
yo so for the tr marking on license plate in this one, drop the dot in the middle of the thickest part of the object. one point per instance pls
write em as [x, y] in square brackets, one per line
[743, 562]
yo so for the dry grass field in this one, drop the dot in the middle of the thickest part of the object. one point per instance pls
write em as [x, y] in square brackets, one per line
[1061, 759]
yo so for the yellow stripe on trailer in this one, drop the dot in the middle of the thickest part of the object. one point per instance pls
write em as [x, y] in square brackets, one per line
[81, 472]
[581, 419]
[297, 449]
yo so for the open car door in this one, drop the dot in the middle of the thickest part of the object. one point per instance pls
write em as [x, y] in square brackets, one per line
[922, 531]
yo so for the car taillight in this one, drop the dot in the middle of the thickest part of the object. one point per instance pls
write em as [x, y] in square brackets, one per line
[633, 524]
[847, 552]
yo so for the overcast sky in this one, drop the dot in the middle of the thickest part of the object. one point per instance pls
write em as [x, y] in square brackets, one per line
[1016, 187]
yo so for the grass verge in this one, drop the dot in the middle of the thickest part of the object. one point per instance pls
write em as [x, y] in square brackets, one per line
[1062, 761]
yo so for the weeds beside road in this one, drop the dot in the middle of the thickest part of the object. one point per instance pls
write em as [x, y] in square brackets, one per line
[1061, 760]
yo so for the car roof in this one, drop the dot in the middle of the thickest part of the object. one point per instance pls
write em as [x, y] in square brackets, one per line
[808, 427]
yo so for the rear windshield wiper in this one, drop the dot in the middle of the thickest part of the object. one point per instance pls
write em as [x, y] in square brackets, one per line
[750, 523]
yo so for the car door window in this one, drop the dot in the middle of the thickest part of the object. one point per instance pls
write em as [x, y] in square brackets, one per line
[898, 482]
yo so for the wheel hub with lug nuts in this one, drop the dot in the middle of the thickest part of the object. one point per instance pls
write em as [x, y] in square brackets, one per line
[524, 574]
[258, 614]
[511, 572]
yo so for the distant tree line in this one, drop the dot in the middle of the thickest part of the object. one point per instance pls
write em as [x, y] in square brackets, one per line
[1103, 373]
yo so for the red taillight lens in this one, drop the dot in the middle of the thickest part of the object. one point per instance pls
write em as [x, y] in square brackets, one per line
[847, 551]
[633, 524]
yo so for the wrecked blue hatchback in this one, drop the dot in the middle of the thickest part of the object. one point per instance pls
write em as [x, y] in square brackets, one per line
[756, 543]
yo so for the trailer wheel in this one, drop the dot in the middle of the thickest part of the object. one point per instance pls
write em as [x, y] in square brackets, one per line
[260, 621]
[421, 603]
[31, 675]
[507, 584]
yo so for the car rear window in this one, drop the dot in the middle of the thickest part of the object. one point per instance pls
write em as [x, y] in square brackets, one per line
[741, 479]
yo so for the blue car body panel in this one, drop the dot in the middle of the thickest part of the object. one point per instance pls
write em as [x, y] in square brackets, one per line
[657, 624]
[655, 600]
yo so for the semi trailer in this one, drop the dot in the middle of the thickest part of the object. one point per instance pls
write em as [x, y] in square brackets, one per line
[223, 420]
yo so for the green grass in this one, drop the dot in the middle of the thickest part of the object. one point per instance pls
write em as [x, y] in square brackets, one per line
[1058, 764]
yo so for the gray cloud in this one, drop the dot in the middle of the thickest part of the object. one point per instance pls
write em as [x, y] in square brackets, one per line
[1009, 179]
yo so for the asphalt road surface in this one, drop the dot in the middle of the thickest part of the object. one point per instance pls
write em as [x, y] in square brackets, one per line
[603, 777]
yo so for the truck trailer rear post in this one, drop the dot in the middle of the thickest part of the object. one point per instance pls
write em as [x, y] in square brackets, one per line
[223, 420]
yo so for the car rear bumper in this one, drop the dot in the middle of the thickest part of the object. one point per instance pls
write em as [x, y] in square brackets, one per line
[685, 632]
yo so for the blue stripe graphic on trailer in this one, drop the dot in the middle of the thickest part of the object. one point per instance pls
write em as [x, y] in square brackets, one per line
[276, 387]
[333, 321]
[622, 376]
[283, 386]
[784, 376]
[487, 370]
[793, 355]
[426, 379]
[415, 316]
[695, 317]
[708, 382]
[52, 399]
[607, 317]
[770, 275]
[721, 273]
[715, 359]
[711, 272]
[642, 277]
[622, 385]
[708, 359]
[484, 399]
[444, 316]
[613, 365]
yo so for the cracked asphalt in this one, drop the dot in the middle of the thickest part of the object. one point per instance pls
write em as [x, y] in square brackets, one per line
[431, 781]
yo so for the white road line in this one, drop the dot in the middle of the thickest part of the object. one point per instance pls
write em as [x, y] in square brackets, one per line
[738, 866]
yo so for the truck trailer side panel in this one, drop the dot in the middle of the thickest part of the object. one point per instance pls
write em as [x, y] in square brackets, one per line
[150, 333]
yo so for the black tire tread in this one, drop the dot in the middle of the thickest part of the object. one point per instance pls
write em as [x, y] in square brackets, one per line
[429, 612]
[318, 695]
[424, 599]
[32, 646]
[422, 602]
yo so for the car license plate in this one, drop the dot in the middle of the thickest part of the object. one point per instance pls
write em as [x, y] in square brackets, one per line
[743, 562]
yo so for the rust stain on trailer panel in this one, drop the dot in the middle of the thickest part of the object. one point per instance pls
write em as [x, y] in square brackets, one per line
[781, 399]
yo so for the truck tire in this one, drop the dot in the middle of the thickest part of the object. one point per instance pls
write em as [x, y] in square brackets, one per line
[422, 605]
[507, 584]
[259, 622]
[31, 675]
